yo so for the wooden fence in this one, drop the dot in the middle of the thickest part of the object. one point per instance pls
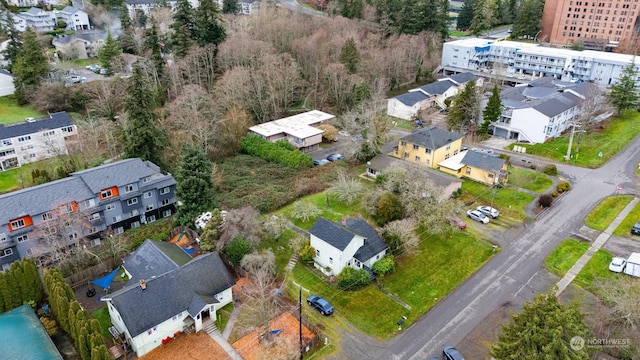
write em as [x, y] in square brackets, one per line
[82, 277]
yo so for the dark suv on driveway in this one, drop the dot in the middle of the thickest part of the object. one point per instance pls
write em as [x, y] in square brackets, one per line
[635, 230]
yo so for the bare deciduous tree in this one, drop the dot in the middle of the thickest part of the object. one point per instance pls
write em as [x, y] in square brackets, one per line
[346, 189]
[261, 270]
[405, 231]
[241, 222]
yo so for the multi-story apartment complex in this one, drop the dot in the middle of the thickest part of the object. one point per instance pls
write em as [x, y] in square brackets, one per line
[35, 139]
[80, 45]
[116, 196]
[38, 19]
[42, 20]
[76, 19]
[598, 24]
[519, 59]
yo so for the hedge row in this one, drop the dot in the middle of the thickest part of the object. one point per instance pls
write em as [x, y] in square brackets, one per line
[281, 152]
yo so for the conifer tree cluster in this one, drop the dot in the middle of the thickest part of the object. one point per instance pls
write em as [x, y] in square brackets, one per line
[201, 26]
[20, 285]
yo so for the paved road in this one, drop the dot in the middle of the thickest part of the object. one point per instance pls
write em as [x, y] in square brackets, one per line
[510, 274]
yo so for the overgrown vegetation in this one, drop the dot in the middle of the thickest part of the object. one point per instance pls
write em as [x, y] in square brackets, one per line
[281, 152]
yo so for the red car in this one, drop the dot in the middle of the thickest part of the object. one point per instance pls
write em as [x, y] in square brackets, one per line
[461, 224]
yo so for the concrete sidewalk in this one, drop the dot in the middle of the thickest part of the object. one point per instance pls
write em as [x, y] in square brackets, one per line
[595, 246]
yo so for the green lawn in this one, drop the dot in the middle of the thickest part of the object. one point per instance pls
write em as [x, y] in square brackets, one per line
[102, 315]
[457, 33]
[509, 202]
[565, 255]
[529, 179]
[624, 229]
[401, 123]
[11, 112]
[596, 269]
[610, 140]
[421, 280]
[223, 316]
[331, 209]
[602, 215]
[281, 249]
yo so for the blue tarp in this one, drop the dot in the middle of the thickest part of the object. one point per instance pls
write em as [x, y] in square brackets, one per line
[190, 251]
[105, 281]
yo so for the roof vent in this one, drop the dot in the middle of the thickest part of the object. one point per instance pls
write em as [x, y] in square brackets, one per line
[143, 285]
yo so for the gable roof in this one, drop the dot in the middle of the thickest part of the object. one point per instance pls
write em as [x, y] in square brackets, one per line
[5, 72]
[373, 244]
[189, 287]
[154, 258]
[557, 104]
[119, 174]
[35, 11]
[411, 97]
[86, 36]
[483, 161]
[432, 137]
[332, 233]
[69, 10]
[462, 78]
[438, 87]
[53, 121]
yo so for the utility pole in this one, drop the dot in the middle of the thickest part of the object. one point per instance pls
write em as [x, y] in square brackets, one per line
[300, 319]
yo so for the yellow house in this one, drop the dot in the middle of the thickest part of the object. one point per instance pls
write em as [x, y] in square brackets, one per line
[478, 166]
[428, 146]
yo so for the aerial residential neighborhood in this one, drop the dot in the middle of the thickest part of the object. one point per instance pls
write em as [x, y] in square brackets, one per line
[247, 179]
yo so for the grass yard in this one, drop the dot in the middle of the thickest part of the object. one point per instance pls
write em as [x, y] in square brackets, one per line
[11, 112]
[616, 134]
[281, 249]
[457, 33]
[624, 229]
[102, 315]
[401, 123]
[604, 213]
[223, 316]
[529, 179]
[565, 255]
[421, 280]
[509, 202]
[596, 269]
[331, 209]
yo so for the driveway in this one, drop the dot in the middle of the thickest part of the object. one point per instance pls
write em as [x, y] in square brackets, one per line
[511, 276]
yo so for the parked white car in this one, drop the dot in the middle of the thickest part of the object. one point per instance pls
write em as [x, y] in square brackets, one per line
[489, 211]
[617, 264]
[477, 216]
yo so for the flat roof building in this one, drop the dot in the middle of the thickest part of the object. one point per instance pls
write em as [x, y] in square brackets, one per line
[300, 130]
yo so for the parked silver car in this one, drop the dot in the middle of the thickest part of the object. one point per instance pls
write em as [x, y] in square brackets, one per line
[477, 216]
[489, 211]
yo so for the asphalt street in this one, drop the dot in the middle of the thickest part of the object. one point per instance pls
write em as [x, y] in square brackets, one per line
[510, 275]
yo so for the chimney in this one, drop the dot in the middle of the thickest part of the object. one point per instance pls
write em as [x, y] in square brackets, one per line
[344, 221]
[143, 285]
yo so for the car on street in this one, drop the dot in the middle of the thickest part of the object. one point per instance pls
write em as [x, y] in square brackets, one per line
[450, 353]
[478, 216]
[489, 211]
[635, 230]
[320, 304]
[617, 264]
[320, 162]
[335, 157]
[459, 222]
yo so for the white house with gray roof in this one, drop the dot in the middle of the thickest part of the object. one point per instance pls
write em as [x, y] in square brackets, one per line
[75, 18]
[117, 196]
[35, 139]
[541, 110]
[406, 106]
[300, 130]
[352, 243]
[165, 299]
[37, 19]
[80, 45]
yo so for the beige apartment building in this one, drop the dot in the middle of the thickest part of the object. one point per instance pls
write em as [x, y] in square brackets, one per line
[599, 24]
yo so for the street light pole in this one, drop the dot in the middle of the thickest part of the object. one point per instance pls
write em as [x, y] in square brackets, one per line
[300, 319]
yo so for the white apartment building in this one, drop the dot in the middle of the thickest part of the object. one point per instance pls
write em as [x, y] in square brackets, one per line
[519, 58]
[76, 19]
[38, 19]
[41, 20]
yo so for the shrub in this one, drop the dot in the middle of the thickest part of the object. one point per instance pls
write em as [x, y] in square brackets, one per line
[545, 200]
[389, 209]
[352, 279]
[386, 265]
[563, 186]
[550, 169]
[307, 253]
[281, 152]
[554, 194]
[533, 166]
[303, 210]
[236, 250]
[506, 157]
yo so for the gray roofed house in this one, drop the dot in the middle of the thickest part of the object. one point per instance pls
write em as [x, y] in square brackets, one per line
[476, 165]
[462, 78]
[557, 104]
[7, 86]
[154, 258]
[82, 44]
[412, 97]
[483, 161]
[437, 88]
[171, 302]
[351, 243]
[53, 121]
[432, 137]
[119, 173]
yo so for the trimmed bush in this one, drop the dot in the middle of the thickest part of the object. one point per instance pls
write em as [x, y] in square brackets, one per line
[352, 279]
[554, 194]
[563, 186]
[389, 209]
[307, 253]
[506, 157]
[550, 169]
[281, 152]
[545, 200]
[386, 265]
[236, 250]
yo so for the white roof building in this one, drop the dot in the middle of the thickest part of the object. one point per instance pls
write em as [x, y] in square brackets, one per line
[298, 129]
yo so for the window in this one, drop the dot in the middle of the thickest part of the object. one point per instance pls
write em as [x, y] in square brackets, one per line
[165, 202]
[94, 216]
[406, 155]
[134, 213]
[3, 237]
[166, 213]
[30, 252]
[132, 201]
[90, 203]
[149, 207]
[147, 194]
[17, 224]
[7, 142]
[403, 143]
[146, 179]
[330, 260]
[135, 224]
[417, 158]
[165, 190]
[446, 156]
[6, 252]
[448, 146]
[175, 318]
[128, 188]
[64, 209]
[416, 147]
[106, 194]
[317, 252]
[48, 133]
[427, 151]
[21, 238]
[117, 218]
[110, 207]
[468, 171]
[95, 242]
[67, 129]
[118, 230]
[24, 138]
[151, 218]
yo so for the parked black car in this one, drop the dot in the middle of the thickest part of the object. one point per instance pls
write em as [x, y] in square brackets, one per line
[450, 353]
[635, 230]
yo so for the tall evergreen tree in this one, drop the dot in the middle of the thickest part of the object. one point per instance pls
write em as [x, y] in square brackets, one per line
[127, 38]
[14, 44]
[33, 278]
[492, 111]
[623, 93]
[466, 15]
[21, 281]
[209, 26]
[13, 296]
[350, 56]
[84, 345]
[142, 138]
[463, 113]
[351, 9]
[153, 46]
[528, 19]
[231, 7]
[183, 28]
[484, 16]
[195, 186]
[109, 53]
[3, 285]
[31, 66]
[543, 330]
